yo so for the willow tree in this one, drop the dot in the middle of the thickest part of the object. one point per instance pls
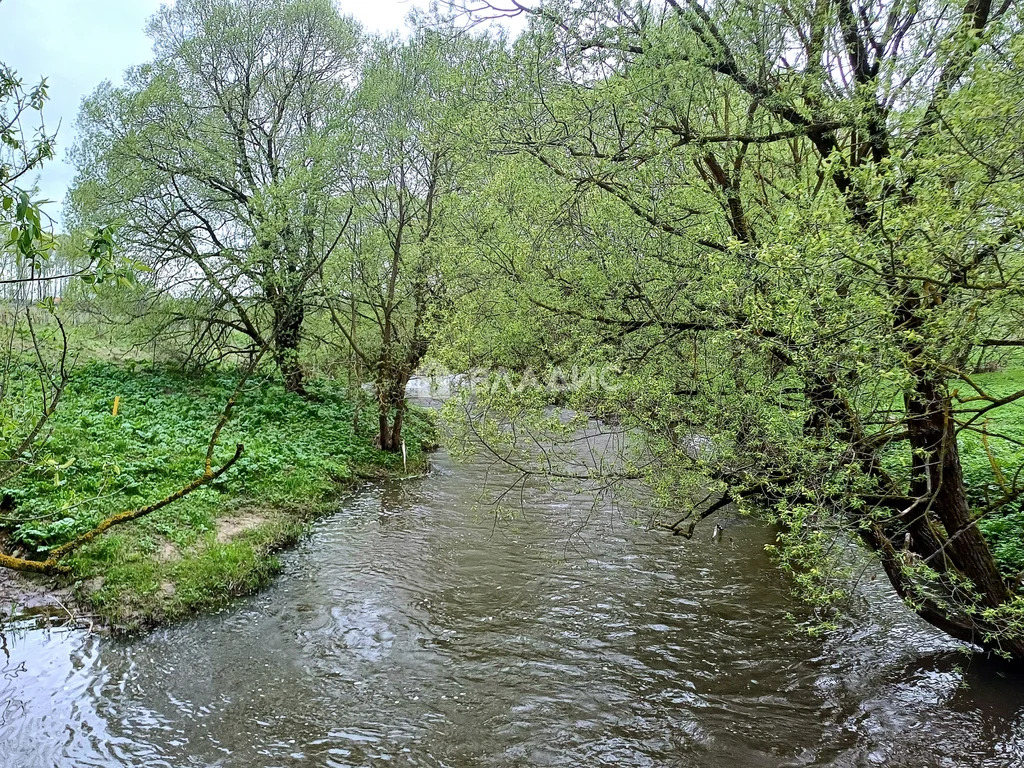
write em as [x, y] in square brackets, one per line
[416, 114]
[218, 163]
[795, 226]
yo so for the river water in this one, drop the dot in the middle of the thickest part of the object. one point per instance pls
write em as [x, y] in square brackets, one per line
[416, 627]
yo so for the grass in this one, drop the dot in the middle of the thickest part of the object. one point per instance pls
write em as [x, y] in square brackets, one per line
[219, 541]
[989, 470]
[992, 458]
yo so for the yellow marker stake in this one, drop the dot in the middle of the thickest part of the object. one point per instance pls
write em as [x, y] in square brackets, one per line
[117, 402]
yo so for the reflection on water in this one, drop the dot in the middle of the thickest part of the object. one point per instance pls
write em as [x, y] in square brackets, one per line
[413, 628]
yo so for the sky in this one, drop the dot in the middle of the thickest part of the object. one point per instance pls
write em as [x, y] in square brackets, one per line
[77, 44]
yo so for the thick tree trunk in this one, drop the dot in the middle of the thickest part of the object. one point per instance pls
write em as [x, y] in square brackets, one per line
[941, 525]
[391, 414]
[392, 380]
[938, 478]
[287, 337]
[945, 534]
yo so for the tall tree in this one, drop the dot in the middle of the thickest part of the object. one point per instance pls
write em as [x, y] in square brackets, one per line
[796, 226]
[219, 163]
[416, 113]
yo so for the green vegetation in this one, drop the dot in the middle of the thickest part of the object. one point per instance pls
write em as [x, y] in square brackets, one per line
[216, 542]
[789, 234]
[990, 466]
[794, 231]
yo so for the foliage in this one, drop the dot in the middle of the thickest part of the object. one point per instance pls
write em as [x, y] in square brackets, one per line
[298, 453]
[34, 263]
[990, 464]
[793, 230]
[221, 162]
[312, 190]
[22, 227]
[416, 114]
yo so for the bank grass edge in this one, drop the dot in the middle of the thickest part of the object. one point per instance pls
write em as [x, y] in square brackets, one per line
[222, 541]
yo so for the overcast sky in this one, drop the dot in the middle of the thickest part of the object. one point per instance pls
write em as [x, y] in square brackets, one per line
[77, 44]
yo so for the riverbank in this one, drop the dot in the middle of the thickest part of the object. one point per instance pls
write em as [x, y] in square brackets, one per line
[220, 541]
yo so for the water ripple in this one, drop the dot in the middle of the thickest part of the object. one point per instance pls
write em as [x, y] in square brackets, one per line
[416, 628]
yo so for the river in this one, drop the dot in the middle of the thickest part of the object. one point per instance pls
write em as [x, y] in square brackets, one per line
[414, 627]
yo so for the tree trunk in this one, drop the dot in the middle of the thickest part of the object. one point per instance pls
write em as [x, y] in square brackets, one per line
[942, 528]
[945, 533]
[391, 398]
[392, 380]
[287, 337]
[938, 477]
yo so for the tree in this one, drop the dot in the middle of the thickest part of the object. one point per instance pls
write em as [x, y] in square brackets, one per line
[795, 227]
[33, 264]
[415, 114]
[219, 163]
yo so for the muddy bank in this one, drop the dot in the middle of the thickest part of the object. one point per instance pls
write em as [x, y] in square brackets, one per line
[22, 592]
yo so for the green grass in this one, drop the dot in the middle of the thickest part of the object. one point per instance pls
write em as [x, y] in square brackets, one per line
[989, 471]
[220, 540]
[991, 454]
